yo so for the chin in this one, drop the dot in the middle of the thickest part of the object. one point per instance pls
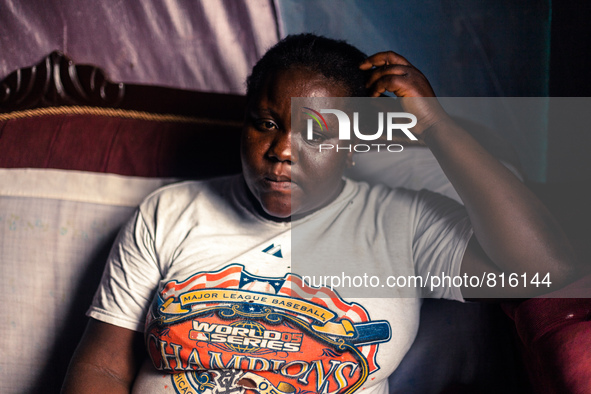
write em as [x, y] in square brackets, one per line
[278, 213]
[277, 209]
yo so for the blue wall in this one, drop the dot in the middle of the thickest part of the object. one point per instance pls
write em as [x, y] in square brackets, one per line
[489, 48]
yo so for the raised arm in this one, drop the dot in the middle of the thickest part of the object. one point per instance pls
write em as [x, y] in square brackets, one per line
[106, 360]
[514, 232]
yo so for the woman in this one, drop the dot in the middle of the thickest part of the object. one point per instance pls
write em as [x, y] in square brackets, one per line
[207, 265]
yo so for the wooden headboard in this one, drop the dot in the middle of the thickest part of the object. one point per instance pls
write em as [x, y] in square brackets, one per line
[57, 114]
[57, 81]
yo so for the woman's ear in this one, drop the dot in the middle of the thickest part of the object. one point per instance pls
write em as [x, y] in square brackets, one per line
[350, 161]
[351, 155]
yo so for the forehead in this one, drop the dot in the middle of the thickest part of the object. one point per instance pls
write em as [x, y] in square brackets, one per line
[282, 85]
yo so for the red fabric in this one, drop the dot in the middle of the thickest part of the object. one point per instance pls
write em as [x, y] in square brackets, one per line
[556, 334]
[120, 146]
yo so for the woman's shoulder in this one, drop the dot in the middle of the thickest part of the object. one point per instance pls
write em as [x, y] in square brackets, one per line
[183, 193]
[398, 199]
[380, 191]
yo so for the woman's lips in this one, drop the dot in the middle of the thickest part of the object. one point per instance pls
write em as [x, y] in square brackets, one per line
[278, 183]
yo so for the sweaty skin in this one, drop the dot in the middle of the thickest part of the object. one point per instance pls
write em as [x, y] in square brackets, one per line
[285, 173]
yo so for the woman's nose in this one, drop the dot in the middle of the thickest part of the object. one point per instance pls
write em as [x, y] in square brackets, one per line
[281, 147]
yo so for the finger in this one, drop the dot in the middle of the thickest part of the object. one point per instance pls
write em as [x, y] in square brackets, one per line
[407, 85]
[383, 58]
[387, 70]
[389, 83]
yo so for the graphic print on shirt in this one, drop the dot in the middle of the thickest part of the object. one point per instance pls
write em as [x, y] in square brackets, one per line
[229, 331]
[273, 250]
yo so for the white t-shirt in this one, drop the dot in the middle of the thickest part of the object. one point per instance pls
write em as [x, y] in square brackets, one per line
[215, 286]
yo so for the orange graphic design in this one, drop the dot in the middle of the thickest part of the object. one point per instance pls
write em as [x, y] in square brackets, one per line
[229, 331]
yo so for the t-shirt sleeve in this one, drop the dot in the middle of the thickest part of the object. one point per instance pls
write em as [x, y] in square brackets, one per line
[442, 230]
[130, 278]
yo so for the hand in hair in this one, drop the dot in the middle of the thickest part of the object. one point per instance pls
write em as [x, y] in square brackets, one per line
[513, 232]
[393, 73]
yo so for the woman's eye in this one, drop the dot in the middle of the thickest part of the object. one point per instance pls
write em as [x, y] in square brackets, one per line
[265, 125]
[317, 137]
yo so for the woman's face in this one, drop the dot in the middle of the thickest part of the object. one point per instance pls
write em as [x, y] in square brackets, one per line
[285, 172]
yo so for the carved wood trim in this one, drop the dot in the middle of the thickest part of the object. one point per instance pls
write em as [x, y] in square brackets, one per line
[56, 80]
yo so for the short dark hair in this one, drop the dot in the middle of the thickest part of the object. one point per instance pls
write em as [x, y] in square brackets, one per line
[335, 59]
